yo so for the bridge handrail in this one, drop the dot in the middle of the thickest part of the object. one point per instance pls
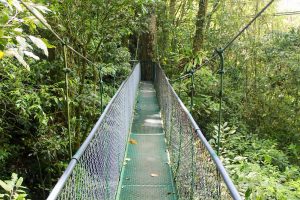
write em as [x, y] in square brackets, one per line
[75, 159]
[227, 180]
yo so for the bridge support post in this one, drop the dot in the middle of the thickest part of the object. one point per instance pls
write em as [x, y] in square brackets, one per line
[192, 89]
[101, 89]
[220, 52]
[67, 70]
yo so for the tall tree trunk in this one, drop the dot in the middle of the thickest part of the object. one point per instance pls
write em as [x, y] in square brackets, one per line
[147, 40]
[200, 26]
[172, 18]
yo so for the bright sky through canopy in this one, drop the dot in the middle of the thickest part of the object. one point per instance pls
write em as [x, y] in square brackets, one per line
[289, 5]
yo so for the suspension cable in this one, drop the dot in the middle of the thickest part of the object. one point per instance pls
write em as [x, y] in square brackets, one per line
[215, 55]
[247, 26]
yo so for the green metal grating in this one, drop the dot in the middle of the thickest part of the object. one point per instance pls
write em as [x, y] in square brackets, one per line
[146, 172]
[148, 192]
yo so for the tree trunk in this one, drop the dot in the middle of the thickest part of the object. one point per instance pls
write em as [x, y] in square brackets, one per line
[200, 26]
[147, 41]
[146, 49]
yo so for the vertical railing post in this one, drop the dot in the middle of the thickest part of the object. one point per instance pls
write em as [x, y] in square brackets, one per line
[220, 52]
[192, 89]
[193, 164]
[180, 147]
[101, 88]
[192, 134]
[66, 71]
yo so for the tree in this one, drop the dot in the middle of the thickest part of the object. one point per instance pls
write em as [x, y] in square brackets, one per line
[200, 26]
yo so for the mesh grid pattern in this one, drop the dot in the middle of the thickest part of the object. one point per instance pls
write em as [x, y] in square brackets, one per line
[195, 173]
[149, 193]
[148, 156]
[98, 169]
[97, 172]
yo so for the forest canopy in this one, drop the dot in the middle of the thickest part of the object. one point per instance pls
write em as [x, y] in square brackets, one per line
[260, 132]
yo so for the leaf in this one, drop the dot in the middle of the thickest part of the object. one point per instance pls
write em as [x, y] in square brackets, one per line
[40, 44]
[19, 182]
[225, 124]
[43, 9]
[21, 196]
[132, 141]
[31, 55]
[227, 129]
[22, 42]
[14, 177]
[4, 2]
[5, 186]
[248, 193]
[49, 46]
[17, 5]
[18, 30]
[154, 175]
[1, 54]
[40, 16]
[15, 53]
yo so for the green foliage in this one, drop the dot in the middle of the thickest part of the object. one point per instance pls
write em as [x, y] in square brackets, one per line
[260, 129]
[33, 122]
[17, 26]
[260, 139]
[13, 189]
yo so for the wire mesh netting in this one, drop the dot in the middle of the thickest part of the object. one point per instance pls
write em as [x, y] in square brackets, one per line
[95, 170]
[194, 168]
[146, 174]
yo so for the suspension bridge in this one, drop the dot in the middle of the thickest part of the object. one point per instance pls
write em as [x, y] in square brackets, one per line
[146, 145]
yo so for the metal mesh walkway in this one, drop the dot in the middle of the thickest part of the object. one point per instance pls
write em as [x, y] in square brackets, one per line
[146, 172]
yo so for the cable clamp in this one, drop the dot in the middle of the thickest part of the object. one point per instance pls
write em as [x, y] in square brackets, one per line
[219, 51]
[74, 158]
[67, 70]
[221, 71]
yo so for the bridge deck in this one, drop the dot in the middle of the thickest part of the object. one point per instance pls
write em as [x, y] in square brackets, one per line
[146, 173]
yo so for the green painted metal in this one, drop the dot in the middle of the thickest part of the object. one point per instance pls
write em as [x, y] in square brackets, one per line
[146, 173]
[66, 70]
[192, 89]
[193, 167]
[101, 89]
[221, 71]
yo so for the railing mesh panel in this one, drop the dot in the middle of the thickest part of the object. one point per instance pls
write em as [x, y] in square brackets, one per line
[195, 173]
[96, 174]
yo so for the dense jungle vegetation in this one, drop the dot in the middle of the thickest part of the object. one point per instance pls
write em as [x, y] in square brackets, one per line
[260, 144]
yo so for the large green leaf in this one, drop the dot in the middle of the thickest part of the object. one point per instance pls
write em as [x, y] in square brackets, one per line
[5, 186]
[40, 44]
